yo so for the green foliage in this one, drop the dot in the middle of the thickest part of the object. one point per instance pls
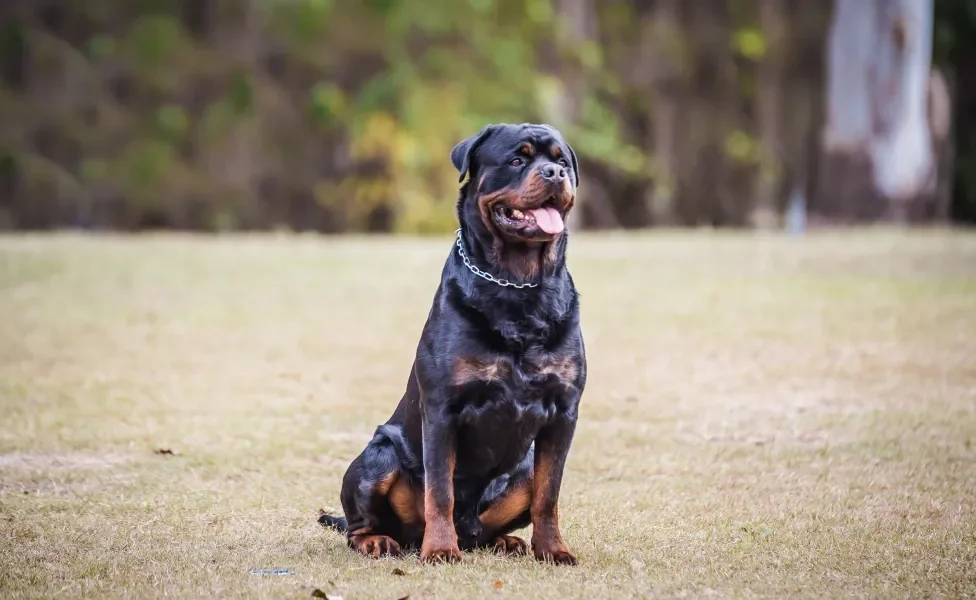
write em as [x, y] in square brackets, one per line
[93, 170]
[152, 40]
[327, 104]
[341, 115]
[146, 163]
[742, 148]
[750, 43]
[172, 121]
[241, 92]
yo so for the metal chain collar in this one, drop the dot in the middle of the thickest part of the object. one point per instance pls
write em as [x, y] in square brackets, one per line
[484, 274]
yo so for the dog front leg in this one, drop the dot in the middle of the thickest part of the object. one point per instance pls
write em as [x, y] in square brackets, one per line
[551, 448]
[440, 453]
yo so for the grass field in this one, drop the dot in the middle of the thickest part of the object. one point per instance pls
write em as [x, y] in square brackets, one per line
[764, 416]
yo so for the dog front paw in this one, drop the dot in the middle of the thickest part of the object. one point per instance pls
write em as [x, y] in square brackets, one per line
[433, 555]
[548, 550]
[375, 546]
[510, 545]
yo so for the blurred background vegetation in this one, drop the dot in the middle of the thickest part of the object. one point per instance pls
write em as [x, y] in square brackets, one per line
[339, 115]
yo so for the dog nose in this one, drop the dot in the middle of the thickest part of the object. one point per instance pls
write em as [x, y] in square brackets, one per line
[553, 172]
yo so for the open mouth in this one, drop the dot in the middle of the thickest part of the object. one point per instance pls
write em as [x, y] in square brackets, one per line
[546, 218]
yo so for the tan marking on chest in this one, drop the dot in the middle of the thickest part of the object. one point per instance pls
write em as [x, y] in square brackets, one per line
[563, 368]
[466, 370]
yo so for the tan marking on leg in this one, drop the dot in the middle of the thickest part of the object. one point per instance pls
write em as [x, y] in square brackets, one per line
[507, 508]
[547, 541]
[384, 483]
[406, 503]
[540, 486]
[440, 542]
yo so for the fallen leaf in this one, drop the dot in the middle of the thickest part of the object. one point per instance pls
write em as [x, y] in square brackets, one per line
[166, 451]
[404, 597]
[498, 585]
[317, 593]
[398, 571]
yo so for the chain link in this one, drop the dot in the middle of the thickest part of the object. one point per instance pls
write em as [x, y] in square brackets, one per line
[484, 274]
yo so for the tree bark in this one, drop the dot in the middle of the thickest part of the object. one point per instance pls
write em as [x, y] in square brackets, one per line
[662, 51]
[901, 148]
[879, 162]
[581, 19]
[769, 111]
[940, 120]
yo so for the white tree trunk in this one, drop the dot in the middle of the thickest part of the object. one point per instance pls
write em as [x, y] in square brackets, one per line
[850, 46]
[901, 148]
[879, 55]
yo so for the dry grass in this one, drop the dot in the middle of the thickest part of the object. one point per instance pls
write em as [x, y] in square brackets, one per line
[764, 416]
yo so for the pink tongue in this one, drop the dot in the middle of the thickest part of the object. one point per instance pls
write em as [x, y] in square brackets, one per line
[548, 219]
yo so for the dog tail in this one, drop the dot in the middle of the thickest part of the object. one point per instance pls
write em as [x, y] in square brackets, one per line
[337, 523]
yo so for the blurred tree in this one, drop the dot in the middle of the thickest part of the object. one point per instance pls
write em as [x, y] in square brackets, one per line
[772, 50]
[333, 115]
[955, 53]
[664, 51]
[877, 132]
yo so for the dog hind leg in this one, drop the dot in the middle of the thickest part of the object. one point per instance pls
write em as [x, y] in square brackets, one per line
[505, 507]
[379, 502]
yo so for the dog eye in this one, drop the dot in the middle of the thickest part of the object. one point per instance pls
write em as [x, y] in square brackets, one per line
[516, 162]
[564, 162]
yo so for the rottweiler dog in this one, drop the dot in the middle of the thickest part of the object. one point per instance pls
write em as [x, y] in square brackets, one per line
[477, 445]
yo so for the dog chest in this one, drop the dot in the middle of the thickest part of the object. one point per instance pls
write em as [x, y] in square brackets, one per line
[512, 390]
[534, 369]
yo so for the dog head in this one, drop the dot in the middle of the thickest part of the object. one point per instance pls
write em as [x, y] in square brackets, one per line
[523, 182]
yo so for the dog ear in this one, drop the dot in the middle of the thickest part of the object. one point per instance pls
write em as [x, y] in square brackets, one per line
[572, 157]
[462, 153]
